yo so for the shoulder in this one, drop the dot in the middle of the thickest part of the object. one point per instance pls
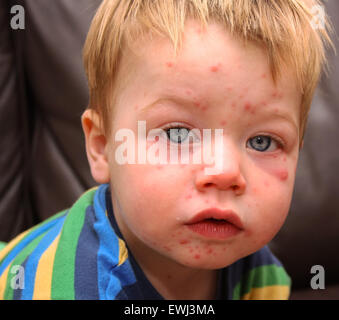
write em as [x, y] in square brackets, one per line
[259, 276]
[28, 261]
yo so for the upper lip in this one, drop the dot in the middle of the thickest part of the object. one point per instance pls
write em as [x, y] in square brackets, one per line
[218, 214]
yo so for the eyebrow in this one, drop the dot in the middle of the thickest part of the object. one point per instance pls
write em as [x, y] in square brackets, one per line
[183, 102]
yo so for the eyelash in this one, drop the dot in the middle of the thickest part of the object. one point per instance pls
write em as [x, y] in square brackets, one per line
[278, 140]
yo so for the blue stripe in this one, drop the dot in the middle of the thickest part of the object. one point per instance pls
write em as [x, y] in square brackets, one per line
[86, 267]
[33, 259]
[107, 258]
[23, 243]
[110, 275]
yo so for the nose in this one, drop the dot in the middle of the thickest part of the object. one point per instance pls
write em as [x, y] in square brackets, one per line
[229, 178]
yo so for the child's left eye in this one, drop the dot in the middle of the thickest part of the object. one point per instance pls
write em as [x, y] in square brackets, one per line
[263, 143]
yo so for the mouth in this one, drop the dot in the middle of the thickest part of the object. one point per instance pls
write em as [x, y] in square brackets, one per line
[216, 224]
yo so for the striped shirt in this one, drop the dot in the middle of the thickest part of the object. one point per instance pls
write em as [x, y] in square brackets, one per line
[80, 253]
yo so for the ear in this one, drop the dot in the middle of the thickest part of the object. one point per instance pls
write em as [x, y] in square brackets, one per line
[96, 144]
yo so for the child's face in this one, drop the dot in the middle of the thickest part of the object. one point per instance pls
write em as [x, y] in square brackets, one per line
[214, 83]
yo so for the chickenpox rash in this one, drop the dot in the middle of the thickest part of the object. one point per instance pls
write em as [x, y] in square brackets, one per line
[197, 256]
[209, 251]
[169, 64]
[215, 68]
[184, 241]
[189, 196]
[249, 108]
[167, 248]
[282, 175]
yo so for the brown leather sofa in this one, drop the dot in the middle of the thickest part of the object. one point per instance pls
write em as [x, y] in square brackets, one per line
[43, 166]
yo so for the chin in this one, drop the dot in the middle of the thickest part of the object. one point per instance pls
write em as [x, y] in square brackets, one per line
[208, 263]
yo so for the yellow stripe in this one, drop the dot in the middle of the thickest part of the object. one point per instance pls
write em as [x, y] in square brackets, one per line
[123, 254]
[278, 292]
[3, 281]
[12, 244]
[43, 277]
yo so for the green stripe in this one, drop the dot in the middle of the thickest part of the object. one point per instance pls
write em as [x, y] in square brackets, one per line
[64, 262]
[33, 229]
[19, 259]
[260, 277]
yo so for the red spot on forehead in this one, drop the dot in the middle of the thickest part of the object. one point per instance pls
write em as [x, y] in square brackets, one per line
[169, 64]
[215, 68]
[209, 251]
[223, 123]
[264, 75]
[188, 92]
[197, 256]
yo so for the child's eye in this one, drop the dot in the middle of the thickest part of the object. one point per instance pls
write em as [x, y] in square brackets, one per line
[263, 143]
[179, 134]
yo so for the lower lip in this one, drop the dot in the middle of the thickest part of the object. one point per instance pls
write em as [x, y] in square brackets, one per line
[215, 229]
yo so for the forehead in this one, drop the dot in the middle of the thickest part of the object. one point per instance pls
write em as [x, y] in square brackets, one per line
[211, 63]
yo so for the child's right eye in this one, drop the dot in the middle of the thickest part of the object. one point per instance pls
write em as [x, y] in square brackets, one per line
[179, 134]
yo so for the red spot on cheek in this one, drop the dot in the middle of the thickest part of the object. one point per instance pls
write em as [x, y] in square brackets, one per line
[223, 123]
[247, 107]
[197, 256]
[184, 241]
[282, 175]
[264, 75]
[189, 196]
[169, 64]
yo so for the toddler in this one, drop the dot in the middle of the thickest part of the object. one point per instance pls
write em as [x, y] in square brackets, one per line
[196, 117]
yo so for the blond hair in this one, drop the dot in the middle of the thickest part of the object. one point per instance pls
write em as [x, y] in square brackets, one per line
[283, 26]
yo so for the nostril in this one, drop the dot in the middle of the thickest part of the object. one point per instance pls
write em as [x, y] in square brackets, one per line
[209, 184]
